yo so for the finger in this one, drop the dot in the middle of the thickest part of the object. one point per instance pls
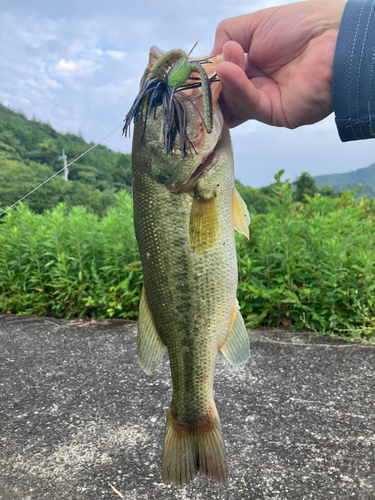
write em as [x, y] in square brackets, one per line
[239, 29]
[232, 52]
[245, 99]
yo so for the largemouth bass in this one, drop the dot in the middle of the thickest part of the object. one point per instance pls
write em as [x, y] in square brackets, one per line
[185, 210]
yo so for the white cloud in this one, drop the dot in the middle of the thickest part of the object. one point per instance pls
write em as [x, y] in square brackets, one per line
[81, 66]
[112, 94]
[76, 47]
[44, 83]
[116, 54]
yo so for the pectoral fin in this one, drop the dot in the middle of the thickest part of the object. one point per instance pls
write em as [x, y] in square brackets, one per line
[150, 346]
[240, 214]
[237, 345]
[203, 224]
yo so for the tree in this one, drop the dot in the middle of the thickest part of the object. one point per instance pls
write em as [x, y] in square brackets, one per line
[305, 184]
[255, 199]
[19, 179]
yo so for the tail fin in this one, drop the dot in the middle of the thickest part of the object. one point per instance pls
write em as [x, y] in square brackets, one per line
[188, 450]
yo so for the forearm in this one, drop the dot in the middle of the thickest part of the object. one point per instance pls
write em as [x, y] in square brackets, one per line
[353, 82]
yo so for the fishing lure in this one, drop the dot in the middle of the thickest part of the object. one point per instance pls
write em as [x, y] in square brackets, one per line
[164, 86]
[180, 73]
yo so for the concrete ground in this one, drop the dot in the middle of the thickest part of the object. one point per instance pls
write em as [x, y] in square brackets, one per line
[78, 415]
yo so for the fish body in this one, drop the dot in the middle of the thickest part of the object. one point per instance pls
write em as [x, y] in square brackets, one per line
[185, 209]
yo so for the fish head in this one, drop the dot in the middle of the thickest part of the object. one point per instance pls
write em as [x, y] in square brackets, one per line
[178, 170]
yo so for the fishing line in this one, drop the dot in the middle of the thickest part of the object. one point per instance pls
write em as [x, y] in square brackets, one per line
[52, 176]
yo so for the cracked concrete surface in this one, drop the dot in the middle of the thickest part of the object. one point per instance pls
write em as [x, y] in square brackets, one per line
[77, 414]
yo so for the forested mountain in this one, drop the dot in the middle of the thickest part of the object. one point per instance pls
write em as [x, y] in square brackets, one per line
[351, 180]
[29, 154]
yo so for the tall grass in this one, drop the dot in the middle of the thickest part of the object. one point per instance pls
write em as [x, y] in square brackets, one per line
[70, 263]
[306, 266]
[310, 266]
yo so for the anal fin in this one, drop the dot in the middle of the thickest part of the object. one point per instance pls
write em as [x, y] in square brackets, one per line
[149, 344]
[240, 214]
[236, 348]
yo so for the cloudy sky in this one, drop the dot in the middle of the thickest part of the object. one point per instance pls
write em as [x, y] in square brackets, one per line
[77, 64]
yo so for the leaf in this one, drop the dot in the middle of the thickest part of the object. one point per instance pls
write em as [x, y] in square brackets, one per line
[289, 300]
[258, 283]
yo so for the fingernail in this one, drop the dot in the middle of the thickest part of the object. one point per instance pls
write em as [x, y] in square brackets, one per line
[222, 79]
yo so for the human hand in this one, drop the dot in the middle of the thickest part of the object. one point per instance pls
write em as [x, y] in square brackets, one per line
[278, 63]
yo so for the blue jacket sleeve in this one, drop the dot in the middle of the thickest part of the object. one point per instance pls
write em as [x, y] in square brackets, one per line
[353, 80]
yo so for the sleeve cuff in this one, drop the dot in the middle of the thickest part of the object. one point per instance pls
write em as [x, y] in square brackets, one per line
[353, 79]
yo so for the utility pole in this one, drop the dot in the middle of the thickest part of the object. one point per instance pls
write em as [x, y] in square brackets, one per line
[64, 158]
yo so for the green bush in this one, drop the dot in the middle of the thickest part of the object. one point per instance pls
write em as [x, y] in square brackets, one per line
[70, 263]
[306, 266]
[310, 266]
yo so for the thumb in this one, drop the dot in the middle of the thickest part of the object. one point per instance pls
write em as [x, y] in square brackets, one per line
[233, 52]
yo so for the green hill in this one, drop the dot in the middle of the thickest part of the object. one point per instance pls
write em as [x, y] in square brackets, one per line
[368, 191]
[351, 180]
[29, 154]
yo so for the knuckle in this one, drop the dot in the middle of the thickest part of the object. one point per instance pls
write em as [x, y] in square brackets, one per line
[222, 28]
